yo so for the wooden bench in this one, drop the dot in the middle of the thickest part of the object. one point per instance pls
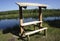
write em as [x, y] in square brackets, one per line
[24, 5]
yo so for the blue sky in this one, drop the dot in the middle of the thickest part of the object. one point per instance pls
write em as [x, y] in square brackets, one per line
[6, 5]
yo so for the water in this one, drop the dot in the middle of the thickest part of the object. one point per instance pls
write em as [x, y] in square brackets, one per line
[51, 18]
[13, 22]
[8, 23]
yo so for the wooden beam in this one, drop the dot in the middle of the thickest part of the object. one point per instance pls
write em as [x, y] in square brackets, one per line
[20, 15]
[31, 4]
[21, 20]
[40, 16]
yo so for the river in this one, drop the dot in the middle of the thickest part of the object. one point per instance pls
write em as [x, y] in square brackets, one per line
[5, 23]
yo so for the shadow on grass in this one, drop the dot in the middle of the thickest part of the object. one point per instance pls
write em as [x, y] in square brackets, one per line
[55, 23]
[16, 31]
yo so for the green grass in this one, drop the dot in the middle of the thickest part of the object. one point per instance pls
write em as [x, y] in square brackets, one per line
[4, 37]
[53, 34]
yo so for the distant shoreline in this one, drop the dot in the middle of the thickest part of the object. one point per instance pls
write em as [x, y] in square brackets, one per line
[29, 13]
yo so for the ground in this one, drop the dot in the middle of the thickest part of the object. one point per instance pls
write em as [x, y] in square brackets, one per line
[53, 34]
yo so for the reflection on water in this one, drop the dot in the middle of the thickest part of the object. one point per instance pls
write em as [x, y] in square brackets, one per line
[12, 22]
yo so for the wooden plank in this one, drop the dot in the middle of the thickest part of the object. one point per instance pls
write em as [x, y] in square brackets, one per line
[30, 23]
[32, 32]
[31, 4]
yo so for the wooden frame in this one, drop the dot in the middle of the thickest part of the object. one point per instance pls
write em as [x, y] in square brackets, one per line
[22, 32]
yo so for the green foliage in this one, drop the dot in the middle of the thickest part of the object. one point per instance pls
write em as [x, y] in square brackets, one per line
[51, 12]
[9, 12]
[30, 13]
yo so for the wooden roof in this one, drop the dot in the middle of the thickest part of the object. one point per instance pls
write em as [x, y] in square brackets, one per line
[31, 4]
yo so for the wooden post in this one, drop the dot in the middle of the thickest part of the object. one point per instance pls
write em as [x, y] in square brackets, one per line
[45, 32]
[40, 16]
[28, 38]
[21, 20]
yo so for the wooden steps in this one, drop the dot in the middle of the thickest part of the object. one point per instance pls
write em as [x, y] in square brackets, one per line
[30, 23]
[33, 32]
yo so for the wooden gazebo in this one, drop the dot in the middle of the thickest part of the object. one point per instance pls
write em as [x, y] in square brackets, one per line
[22, 32]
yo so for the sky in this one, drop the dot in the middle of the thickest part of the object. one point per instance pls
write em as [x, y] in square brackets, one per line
[6, 5]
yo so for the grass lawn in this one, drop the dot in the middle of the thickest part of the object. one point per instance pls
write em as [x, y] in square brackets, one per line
[53, 34]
